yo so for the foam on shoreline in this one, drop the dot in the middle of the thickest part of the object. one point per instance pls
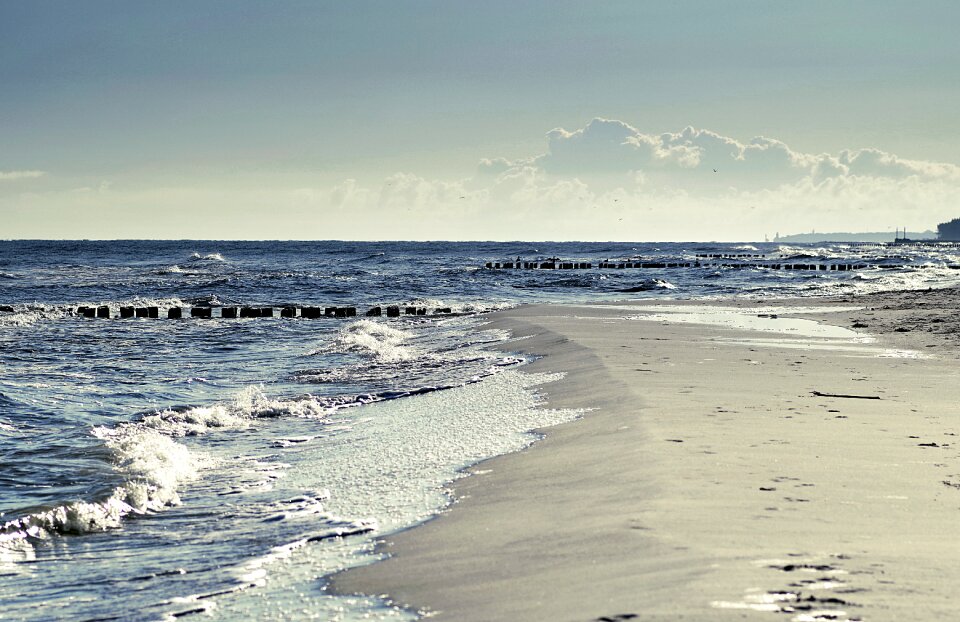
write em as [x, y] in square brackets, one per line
[403, 454]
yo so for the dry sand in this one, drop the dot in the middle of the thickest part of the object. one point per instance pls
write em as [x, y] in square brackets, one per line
[710, 481]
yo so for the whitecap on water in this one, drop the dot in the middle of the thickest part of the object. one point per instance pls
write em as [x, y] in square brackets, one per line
[30, 316]
[248, 404]
[383, 343]
[152, 466]
[207, 257]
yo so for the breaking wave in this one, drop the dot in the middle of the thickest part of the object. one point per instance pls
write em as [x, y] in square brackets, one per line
[207, 257]
[249, 404]
[29, 316]
[649, 285]
[379, 341]
[152, 466]
[174, 269]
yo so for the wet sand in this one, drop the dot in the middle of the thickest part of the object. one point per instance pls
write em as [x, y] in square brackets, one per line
[722, 474]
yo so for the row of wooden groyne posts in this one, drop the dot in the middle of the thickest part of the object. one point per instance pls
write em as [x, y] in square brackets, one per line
[620, 265]
[176, 313]
[742, 262]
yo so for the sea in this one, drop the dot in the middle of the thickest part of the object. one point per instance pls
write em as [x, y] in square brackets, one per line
[156, 469]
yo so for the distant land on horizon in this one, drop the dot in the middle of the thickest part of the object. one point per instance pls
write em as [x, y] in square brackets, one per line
[846, 236]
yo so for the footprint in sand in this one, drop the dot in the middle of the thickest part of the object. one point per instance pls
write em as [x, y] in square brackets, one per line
[809, 599]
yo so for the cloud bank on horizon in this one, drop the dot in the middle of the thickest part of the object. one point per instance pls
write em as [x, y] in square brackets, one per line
[609, 180]
[605, 181]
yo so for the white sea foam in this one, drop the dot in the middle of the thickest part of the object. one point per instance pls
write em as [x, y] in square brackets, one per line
[375, 339]
[28, 316]
[20, 319]
[152, 467]
[249, 404]
[14, 550]
[207, 257]
[402, 455]
[142, 301]
[449, 429]
[457, 307]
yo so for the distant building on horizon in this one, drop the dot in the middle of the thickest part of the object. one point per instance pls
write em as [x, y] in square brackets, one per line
[949, 231]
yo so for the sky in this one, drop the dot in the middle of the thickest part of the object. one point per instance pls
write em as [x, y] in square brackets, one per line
[633, 121]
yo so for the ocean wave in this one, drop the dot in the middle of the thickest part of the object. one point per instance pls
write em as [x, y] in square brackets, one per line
[206, 300]
[174, 269]
[28, 316]
[808, 252]
[800, 255]
[649, 285]
[383, 343]
[585, 280]
[247, 405]
[886, 280]
[8, 401]
[144, 301]
[152, 466]
[207, 257]
[457, 307]
[434, 364]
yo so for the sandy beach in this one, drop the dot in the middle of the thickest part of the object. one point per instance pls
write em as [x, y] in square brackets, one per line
[738, 461]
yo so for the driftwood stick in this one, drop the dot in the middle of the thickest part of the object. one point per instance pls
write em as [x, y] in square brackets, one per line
[853, 397]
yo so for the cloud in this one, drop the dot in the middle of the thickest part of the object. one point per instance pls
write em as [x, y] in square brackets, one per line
[877, 163]
[605, 181]
[701, 160]
[16, 175]
[607, 147]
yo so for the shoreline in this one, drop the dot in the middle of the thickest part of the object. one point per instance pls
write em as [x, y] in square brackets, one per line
[699, 487]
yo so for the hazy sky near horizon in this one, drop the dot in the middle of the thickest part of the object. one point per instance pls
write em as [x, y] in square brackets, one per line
[461, 120]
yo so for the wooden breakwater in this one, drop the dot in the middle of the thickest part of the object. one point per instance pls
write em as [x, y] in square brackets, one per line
[657, 265]
[230, 312]
[702, 261]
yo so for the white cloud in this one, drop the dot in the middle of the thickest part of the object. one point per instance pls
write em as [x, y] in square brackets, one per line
[877, 163]
[700, 160]
[605, 181]
[606, 147]
[16, 175]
